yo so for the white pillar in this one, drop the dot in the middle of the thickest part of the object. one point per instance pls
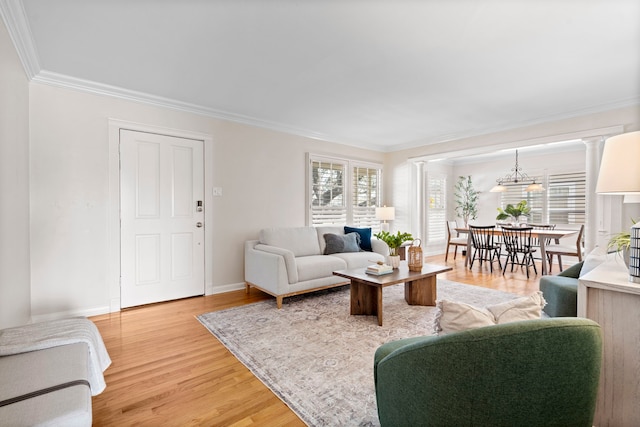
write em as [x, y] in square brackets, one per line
[594, 223]
[419, 223]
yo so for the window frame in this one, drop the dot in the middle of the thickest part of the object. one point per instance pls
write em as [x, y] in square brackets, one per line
[349, 191]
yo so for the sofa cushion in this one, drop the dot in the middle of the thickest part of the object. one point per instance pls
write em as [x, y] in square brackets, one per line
[454, 316]
[336, 244]
[302, 241]
[359, 259]
[365, 236]
[318, 266]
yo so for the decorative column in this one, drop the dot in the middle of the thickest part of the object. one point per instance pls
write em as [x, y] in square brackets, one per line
[419, 223]
[594, 221]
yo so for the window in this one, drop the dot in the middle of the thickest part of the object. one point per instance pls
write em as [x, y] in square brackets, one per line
[344, 192]
[567, 198]
[366, 196]
[436, 208]
[535, 200]
[564, 201]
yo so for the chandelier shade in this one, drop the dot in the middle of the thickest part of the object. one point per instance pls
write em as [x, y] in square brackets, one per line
[517, 176]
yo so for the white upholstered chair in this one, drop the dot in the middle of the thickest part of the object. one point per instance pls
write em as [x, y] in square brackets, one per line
[454, 240]
[558, 250]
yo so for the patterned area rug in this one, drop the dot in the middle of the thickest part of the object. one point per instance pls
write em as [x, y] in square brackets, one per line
[319, 359]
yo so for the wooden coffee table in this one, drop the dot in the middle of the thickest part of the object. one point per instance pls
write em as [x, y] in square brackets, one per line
[366, 289]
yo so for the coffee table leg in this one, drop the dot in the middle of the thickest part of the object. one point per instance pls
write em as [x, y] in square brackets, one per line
[379, 305]
[421, 291]
[366, 299]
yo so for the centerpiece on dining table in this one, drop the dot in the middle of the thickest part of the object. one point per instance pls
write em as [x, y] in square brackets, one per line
[516, 214]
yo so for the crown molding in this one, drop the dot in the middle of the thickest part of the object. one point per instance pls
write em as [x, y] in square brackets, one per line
[624, 103]
[15, 20]
[68, 82]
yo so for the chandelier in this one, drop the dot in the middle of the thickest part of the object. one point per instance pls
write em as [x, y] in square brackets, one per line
[516, 176]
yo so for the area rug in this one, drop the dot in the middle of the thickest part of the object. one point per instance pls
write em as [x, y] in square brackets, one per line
[319, 359]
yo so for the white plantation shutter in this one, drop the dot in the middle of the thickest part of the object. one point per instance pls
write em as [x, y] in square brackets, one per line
[436, 209]
[328, 180]
[366, 194]
[535, 199]
[567, 198]
[344, 192]
[564, 201]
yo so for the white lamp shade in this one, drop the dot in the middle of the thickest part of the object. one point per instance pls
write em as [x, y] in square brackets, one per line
[498, 189]
[535, 187]
[620, 166]
[386, 213]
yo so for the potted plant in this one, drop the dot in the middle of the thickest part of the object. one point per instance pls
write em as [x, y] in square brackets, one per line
[466, 199]
[515, 212]
[621, 242]
[394, 241]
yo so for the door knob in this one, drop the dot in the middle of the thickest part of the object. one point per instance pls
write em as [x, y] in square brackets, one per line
[199, 224]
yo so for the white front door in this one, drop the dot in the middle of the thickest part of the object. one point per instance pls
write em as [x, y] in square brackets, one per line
[161, 218]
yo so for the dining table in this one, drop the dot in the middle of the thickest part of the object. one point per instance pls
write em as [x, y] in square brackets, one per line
[542, 235]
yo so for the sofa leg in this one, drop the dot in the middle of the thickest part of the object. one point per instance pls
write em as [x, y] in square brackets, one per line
[279, 302]
[247, 287]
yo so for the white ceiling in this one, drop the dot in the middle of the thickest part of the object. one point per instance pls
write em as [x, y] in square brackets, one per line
[384, 75]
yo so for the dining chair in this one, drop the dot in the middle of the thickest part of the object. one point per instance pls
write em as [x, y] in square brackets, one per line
[453, 239]
[518, 241]
[558, 250]
[535, 241]
[484, 246]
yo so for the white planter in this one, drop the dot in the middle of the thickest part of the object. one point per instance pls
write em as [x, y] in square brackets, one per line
[394, 261]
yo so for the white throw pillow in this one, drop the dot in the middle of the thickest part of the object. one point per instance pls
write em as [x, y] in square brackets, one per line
[454, 316]
[592, 260]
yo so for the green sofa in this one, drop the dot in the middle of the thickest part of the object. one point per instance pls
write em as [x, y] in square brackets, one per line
[561, 292]
[532, 373]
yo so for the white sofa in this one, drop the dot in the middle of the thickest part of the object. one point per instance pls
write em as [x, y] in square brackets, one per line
[289, 261]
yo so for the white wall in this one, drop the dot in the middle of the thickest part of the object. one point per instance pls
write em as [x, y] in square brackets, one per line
[15, 291]
[262, 174]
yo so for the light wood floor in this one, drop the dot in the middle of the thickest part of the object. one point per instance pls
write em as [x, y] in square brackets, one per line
[169, 370]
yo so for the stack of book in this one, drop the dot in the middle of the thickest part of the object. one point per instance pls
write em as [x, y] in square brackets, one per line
[379, 269]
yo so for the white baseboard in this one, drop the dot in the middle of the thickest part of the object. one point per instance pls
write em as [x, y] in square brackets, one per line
[212, 290]
[70, 313]
[114, 305]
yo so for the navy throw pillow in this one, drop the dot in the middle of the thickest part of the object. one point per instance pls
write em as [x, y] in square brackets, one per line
[365, 236]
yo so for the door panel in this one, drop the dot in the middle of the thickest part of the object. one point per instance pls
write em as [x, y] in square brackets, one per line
[162, 247]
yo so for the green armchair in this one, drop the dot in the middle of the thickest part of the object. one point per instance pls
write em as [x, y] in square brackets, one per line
[561, 292]
[531, 373]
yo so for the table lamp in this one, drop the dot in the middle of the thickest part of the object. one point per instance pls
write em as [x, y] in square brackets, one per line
[620, 175]
[385, 214]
